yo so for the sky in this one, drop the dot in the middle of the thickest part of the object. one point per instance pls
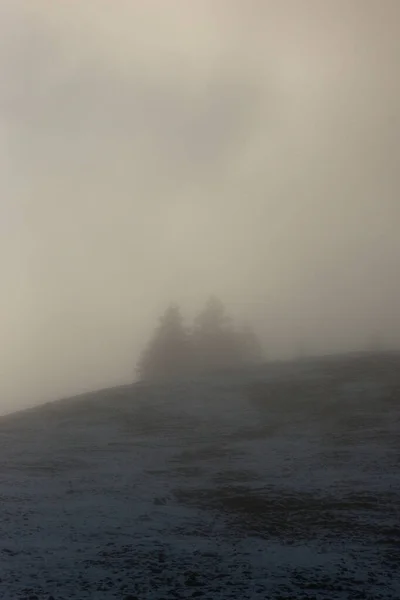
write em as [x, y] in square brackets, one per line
[164, 151]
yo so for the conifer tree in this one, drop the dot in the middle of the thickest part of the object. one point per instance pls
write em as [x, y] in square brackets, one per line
[168, 353]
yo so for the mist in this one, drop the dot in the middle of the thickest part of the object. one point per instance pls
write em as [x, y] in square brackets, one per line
[155, 152]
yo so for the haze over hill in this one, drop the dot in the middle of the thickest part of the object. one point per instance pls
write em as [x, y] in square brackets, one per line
[273, 482]
[158, 151]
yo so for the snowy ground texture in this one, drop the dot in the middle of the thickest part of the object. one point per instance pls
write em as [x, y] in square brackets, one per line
[280, 483]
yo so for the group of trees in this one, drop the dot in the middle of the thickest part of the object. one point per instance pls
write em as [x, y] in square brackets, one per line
[211, 344]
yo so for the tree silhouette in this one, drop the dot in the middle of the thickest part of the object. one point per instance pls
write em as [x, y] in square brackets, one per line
[169, 351]
[214, 340]
[212, 345]
[250, 346]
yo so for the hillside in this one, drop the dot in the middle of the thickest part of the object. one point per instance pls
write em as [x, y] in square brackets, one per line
[279, 482]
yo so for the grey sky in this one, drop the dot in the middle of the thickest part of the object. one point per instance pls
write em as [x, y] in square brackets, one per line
[167, 150]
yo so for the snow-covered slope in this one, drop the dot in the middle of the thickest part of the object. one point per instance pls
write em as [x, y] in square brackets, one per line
[281, 482]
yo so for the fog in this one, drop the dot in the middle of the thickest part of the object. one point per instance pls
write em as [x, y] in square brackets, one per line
[157, 151]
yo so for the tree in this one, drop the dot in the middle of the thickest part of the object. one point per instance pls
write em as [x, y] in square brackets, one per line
[250, 346]
[168, 354]
[214, 340]
[213, 344]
